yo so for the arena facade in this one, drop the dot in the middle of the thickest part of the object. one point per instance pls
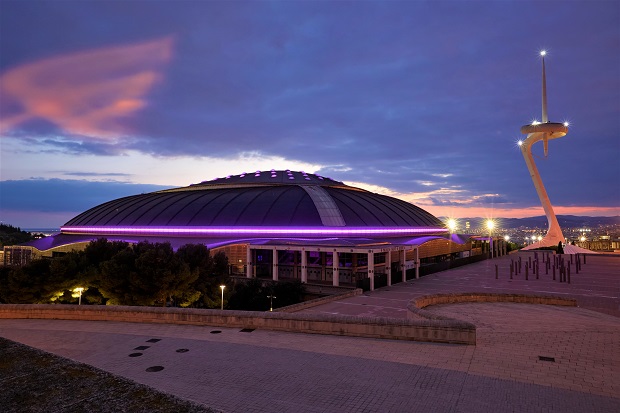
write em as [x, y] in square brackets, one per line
[278, 225]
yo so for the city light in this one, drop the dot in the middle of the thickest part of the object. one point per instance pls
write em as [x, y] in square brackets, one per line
[506, 238]
[543, 53]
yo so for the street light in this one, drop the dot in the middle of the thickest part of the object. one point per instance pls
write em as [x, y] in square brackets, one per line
[271, 297]
[452, 225]
[222, 287]
[79, 291]
[490, 225]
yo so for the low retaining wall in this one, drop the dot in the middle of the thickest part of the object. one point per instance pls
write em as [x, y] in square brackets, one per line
[319, 301]
[415, 308]
[442, 331]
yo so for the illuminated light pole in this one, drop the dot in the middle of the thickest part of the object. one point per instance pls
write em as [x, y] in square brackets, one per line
[271, 297]
[452, 224]
[79, 291]
[490, 226]
[222, 287]
[543, 131]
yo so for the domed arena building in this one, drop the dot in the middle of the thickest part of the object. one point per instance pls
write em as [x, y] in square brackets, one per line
[279, 225]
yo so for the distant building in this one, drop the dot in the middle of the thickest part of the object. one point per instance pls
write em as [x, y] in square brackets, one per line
[280, 225]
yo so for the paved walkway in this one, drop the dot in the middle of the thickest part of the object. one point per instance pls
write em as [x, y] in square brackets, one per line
[528, 358]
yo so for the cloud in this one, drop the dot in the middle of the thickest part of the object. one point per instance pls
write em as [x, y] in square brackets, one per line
[86, 93]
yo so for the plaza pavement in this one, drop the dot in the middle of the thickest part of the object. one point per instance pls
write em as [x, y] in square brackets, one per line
[528, 358]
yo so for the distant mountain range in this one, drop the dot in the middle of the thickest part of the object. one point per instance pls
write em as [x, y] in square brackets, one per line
[566, 221]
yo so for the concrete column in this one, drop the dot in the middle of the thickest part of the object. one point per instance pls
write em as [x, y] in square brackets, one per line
[248, 263]
[388, 267]
[323, 260]
[371, 269]
[274, 265]
[335, 269]
[417, 263]
[403, 259]
[304, 266]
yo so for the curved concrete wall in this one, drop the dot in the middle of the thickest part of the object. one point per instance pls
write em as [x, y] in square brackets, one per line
[415, 308]
[443, 331]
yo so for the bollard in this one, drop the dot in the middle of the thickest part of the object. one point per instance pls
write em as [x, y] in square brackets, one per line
[526, 271]
[496, 274]
[512, 265]
[554, 273]
[568, 274]
[576, 267]
[537, 269]
[529, 261]
[584, 258]
[547, 268]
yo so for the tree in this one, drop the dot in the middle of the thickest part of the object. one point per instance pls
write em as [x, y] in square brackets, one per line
[211, 273]
[10, 235]
[30, 284]
[146, 274]
[160, 273]
[115, 275]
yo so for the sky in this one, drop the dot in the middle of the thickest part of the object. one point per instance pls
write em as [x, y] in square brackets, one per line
[421, 100]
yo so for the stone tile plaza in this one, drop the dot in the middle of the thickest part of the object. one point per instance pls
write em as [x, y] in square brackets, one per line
[527, 357]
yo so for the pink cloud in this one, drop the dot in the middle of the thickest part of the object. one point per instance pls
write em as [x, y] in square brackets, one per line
[86, 93]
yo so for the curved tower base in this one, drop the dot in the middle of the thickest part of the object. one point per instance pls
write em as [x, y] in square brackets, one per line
[554, 232]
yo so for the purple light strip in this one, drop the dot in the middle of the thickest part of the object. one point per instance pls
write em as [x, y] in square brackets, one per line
[249, 231]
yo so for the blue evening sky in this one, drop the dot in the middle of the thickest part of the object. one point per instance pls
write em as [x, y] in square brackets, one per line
[422, 100]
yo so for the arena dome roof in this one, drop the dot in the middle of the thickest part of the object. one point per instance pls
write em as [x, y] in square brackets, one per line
[274, 199]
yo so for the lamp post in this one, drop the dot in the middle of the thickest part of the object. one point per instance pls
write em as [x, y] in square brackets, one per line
[222, 287]
[490, 225]
[79, 291]
[271, 297]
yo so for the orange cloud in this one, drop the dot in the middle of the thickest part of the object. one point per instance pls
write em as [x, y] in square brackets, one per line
[462, 205]
[85, 93]
[468, 212]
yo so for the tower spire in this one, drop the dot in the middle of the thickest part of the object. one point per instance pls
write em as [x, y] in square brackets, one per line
[545, 117]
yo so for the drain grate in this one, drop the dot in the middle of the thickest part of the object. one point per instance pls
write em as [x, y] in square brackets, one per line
[141, 347]
[543, 358]
[215, 332]
[246, 330]
[154, 368]
[135, 354]
[182, 350]
[153, 340]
